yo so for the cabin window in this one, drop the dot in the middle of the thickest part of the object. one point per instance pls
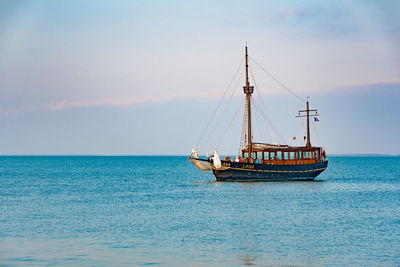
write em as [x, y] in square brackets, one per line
[299, 155]
[291, 155]
[279, 154]
[285, 155]
[245, 155]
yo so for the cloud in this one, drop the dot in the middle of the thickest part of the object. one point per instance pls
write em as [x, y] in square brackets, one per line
[210, 95]
[106, 102]
[67, 104]
[395, 82]
[294, 11]
[110, 102]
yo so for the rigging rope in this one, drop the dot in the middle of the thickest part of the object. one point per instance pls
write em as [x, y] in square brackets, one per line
[279, 137]
[260, 106]
[229, 126]
[275, 79]
[259, 119]
[269, 133]
[259, 122]
[263, 107]
[219, 103]
[223, 112]
[243, 136]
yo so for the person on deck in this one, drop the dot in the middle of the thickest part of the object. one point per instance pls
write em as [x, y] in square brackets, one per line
[257, 161]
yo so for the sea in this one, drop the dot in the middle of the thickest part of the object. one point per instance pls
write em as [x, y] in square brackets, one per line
[163, 211]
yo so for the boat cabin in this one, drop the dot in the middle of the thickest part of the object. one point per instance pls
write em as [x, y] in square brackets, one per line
[283, 154]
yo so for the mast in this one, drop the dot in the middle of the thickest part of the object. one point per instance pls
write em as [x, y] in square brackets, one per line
[308, 126]
[248, 90]
[314, 114]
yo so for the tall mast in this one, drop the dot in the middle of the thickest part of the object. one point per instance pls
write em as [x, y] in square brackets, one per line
[248, 90]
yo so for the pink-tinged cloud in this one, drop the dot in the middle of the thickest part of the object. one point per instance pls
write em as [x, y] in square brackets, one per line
[66, 104]
[211, 95]
[394, 81]
[294, 11]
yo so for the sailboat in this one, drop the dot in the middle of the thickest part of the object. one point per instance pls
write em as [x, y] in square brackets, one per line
[263, 161]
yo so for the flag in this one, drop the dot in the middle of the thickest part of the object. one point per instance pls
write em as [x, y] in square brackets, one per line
[316, 119]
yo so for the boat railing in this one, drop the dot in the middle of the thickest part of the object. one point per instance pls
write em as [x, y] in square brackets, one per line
[289, 161]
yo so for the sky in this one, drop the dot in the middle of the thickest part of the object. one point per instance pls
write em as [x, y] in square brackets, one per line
[144, 77]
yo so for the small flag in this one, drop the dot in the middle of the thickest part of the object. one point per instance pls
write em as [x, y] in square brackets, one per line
[316, 119]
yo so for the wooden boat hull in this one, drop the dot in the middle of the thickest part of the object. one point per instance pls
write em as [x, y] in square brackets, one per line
[248, 172]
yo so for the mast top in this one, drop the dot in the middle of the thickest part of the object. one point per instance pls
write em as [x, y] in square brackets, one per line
[308, 113]
[248, 90]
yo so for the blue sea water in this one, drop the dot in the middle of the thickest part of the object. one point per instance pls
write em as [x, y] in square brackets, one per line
[163, 211]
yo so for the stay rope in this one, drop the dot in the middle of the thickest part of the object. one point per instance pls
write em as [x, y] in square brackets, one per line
[223, 112]
[219, 103]
[260, 123]
[229, 126]
[267, 120]
[276, 80]
[263, 107]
